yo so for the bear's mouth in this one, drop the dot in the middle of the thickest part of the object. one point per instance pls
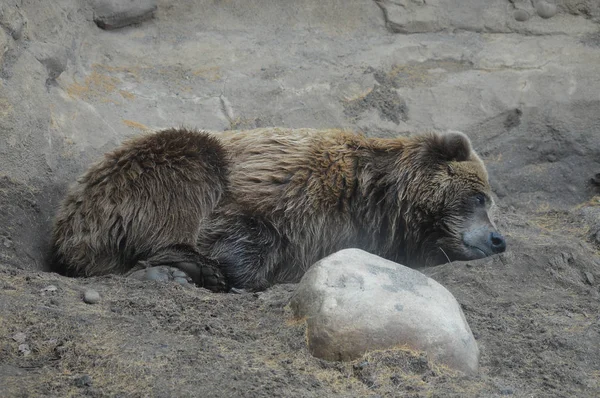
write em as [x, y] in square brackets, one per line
[465, 253]
[476, 252]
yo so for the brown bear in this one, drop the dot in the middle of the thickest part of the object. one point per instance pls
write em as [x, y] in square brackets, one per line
[245, 209]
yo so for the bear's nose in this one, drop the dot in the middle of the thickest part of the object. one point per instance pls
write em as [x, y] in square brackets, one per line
[497, 242]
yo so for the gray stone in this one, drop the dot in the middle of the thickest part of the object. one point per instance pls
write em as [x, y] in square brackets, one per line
[354, 302]
[112, 14]
[24, 349]
[83, 381]
[49, 289]
[90, 296]
[521, 15]
[589, 277]
[545, 10]
[19, 337]
[7, 242]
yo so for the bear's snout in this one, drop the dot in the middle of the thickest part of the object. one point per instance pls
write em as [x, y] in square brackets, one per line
[483, 241]
[497, 242]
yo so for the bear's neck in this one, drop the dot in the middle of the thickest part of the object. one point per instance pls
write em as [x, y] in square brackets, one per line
[389, 222]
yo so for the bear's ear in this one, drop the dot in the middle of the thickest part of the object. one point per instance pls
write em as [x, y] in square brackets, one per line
[451, 146]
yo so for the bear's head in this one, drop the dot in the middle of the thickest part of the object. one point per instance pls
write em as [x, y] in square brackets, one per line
[435, 200]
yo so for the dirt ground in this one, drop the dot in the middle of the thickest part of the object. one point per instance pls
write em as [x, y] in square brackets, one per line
[533, 310]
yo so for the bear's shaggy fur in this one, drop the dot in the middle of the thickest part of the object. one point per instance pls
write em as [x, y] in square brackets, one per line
[246, 209]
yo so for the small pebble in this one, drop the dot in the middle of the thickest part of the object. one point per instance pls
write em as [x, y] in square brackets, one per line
[545, 10]
[24, 349]
[60, 351]
[19, 337]
[7, 243]
[49, 289]
[83, 381]
[506, 391]
[91, 296]
[396, 379]
[551, 158]
[521, 15]
[588, 276]
[361, 365]
[530, 147]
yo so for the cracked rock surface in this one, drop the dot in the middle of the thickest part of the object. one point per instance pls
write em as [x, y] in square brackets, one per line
[524, 89]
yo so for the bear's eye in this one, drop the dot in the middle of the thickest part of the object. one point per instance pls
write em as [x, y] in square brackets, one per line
[480, 199]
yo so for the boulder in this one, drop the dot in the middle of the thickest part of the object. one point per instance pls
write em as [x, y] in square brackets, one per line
[355, 302]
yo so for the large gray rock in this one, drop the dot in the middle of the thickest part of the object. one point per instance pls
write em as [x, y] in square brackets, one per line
[355, 302]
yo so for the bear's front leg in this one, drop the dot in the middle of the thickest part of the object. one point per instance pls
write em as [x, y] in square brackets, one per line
[178, 263]
[247, 248]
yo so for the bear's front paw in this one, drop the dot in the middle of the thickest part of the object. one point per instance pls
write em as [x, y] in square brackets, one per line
[162, 274]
